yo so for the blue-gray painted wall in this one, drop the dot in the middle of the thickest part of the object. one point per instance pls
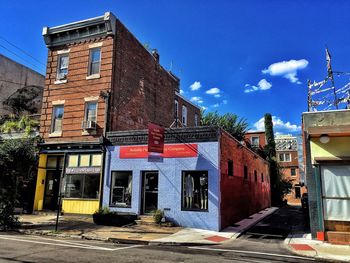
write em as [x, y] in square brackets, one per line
[169, 185]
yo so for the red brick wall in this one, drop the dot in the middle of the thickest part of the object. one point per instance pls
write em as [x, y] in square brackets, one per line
[239, 197]
[142, 90]
[191, 111]
[261, 135]
[75, 90]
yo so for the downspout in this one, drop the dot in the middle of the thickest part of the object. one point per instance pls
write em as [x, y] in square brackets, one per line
[106, 96]
[219, 179]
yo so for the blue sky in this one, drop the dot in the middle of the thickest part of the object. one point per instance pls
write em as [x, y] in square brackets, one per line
[245, 57]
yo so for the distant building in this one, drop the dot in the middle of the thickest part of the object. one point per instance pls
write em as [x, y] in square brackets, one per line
[14, 76]
[255, 139]
[287, 157]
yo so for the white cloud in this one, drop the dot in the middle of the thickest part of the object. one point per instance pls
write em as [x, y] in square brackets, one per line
[197, 100]
[195, 86]
[216, 105]
[213, 91]
[278, 125]
[287, 69]
[263, 84]
[182, 91]
[217, 95]
[224, 102]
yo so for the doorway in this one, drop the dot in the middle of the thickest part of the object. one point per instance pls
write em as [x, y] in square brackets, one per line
[52, 182]
[149, 196]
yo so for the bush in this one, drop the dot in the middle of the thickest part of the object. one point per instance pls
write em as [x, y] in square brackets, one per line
[7, 205]
[157, 216]
[105, 217]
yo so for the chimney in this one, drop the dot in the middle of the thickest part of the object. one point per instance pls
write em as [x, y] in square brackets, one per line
[155, 54]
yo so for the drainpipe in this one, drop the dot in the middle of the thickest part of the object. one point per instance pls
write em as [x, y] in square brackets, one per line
[106, 96]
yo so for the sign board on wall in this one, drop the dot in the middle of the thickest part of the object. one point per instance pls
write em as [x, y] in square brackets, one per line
[83, 170]
[170, 151]
[155, 138]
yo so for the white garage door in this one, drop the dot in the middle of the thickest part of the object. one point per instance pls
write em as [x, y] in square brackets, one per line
[336, 192]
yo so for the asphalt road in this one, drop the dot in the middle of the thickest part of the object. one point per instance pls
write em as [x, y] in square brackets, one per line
[25, 248]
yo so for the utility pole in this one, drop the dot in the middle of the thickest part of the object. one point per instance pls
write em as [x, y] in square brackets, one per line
[331, 77]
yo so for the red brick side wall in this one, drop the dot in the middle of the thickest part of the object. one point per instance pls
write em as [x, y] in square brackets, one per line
[142, 90]
[261, 135]
[191, 111]
[239, 197]
[75, 90]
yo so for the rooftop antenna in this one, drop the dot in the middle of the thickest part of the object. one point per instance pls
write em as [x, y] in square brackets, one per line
[331, 77]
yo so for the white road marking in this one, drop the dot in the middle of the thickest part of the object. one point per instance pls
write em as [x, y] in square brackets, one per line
[64, 243]
[251, 252]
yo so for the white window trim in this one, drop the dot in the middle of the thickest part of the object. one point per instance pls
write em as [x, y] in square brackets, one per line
[251, 140]
[59, 55]
[63, 51]
[184, 120]
[94, 45]
[176, 109]
[89, 100]
[284, 157]
[97, 75]
[196, 119]
[56, 133]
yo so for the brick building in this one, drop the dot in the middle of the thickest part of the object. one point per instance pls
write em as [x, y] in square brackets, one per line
[204, 179]
[255, 139]
[99, 78]
[288, 159]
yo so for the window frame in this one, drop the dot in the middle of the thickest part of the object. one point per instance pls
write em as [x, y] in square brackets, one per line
[251, 141]
[111, 188]
[176, 113]
[91, 62]
[183, 174]
[83, 176]
[255, 176]
[86, 110]
[53, 118]
[284, 157]
[59, 57]
[230, 168]
[184, 115]
[195, 119]
[262, 177]
[293, 173]
[245, 173]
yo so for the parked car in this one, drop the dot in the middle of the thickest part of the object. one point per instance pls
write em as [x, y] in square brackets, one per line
[304, 201]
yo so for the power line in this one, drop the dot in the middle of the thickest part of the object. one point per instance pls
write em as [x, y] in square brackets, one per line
[23, 51]
[14, 53]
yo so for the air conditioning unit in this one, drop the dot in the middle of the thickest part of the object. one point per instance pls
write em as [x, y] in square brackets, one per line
[89, 125]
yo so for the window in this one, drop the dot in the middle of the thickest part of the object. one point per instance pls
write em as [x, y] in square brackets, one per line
[284, 157]
[230, 168]
[255, 141]
[262, 177]
[84, 160]
[57, 119]
[90, 111]
[196, 119]
[62, 66]
[184, 115]
[95, 61]
[255, 176]
[292, 172]
[195, 190]
[82, 186]
[245, 172]
[176, 110]
[121, 189]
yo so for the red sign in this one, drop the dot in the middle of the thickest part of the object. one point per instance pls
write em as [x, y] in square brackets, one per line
[155, 138]
[170, 151]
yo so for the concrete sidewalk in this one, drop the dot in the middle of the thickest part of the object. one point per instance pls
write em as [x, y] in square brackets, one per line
[83, 227]
[302, 244]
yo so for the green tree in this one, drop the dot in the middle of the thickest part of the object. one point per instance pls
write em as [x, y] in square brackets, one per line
[279, 186]
[230, 122]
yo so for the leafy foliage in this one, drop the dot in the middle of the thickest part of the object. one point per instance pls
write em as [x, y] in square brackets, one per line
[24, 100]
[279, 186]
[230, 122]
[25, 124]
[18, 159]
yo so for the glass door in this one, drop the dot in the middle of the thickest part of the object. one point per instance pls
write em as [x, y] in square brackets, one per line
[150, 192]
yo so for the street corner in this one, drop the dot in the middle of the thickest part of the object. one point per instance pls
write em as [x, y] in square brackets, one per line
[301, 249]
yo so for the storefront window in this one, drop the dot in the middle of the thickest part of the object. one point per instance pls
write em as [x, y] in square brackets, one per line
[96, 160]
[73, 161]
[121, 189]
[195, 190]
[84, 160]
[82, 186]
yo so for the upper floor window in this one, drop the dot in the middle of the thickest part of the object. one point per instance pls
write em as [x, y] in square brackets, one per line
[255, 176]
[230, 168]
[90, 115]
[184, 115]
[255, 141]
[57, 117]
[245, 172]
[62, 66]
[284, 157]
[196, 119]
[292, 172]
[262, 177]
[176, 109]
[95, 61]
